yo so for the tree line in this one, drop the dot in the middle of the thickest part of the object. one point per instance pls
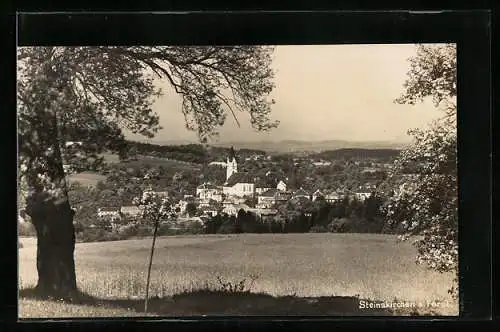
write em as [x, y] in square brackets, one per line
[347, 215]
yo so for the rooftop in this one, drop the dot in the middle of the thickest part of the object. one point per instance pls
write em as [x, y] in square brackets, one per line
[301, 192]
[109, 209]
[207, 186]
[270, 193]
[239, 177]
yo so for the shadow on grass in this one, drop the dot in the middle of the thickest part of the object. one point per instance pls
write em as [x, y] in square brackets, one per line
[213, 303]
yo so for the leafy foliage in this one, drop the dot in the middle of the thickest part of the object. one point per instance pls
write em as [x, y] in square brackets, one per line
[75, 102]
[426, 202]
[89, 94]
[433, 73]
[154, 207]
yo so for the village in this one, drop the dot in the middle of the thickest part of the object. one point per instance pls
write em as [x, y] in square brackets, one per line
[253, 180]
[240, 190]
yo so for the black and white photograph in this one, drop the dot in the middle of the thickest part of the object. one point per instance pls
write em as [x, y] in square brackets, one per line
[237, 180]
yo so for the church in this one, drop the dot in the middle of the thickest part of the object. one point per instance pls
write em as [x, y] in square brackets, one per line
[239, 184]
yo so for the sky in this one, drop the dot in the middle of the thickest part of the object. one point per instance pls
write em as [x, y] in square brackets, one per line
[323, 92]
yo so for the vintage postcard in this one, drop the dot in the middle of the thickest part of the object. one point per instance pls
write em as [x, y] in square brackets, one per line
[237, 180]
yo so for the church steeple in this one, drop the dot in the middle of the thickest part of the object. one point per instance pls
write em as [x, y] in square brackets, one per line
[231, 164]
[232, 154]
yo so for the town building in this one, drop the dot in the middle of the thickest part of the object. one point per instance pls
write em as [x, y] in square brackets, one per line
[113, 213]
[267, 199]
[362, 195]
[233, 209]
[208, 191]
[317, 194]
[162, 194]
[301, 193]
[333, 197]
[130, 211]
[281, 186]
[217, 163]
[240, 185]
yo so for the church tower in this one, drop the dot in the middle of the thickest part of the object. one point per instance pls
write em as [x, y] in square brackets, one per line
[231, 164]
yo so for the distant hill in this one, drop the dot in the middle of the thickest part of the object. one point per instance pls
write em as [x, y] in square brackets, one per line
[290, 146]
[357, 153]
[171, 164]
[192, 152]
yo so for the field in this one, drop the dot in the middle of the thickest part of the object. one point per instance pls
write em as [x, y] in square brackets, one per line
[87, 178]
[170, 164]
[304, 266]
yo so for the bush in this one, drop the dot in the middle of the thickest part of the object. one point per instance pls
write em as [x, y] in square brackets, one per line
[318, 229]
[226, 228]
[164, 229]
[128, 231]
[345, 225]
[90, 235]
[338, 225]
[194, 228]
[144, 230]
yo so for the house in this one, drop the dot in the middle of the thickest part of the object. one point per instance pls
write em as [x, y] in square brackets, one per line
[333, 198]
[260, 190]
[361, 195]
[281, 186]
[233, 209]
[211, 209]
[264, 214]
[130, 211]
[72, 144]
[163, 194]
[239, 184]
[208, 191]
[219, 198]
[264, 184]
[301, 193]
[317, 194]
[217, 163]
[282, 196]
[113, 213]
[267, 199]
[321, 163]
[369, 170]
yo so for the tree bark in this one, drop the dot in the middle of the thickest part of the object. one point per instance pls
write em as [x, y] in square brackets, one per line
[53, 222]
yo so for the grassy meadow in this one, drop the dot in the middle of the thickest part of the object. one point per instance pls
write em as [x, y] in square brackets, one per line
[86, 178]
[306, 266]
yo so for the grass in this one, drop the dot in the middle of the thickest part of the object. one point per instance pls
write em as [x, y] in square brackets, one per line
[292, 268]
[173, 165]
[40, 309]
[87, 178]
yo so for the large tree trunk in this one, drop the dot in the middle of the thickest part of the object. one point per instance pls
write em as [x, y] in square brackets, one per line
[53, 222]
